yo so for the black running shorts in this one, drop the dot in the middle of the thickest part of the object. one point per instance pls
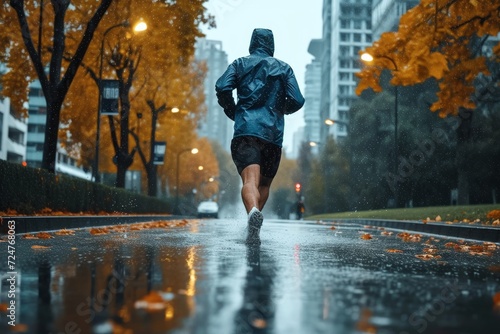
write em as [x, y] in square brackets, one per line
[248, 150]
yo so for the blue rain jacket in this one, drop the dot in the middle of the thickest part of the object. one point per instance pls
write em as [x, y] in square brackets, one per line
[266, 90]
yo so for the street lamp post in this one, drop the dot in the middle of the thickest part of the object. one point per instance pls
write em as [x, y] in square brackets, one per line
[369, 58]
[331, 122]
[193, 151]
[140, 26]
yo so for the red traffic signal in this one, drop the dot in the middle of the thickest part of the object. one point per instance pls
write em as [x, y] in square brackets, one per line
[297, 187]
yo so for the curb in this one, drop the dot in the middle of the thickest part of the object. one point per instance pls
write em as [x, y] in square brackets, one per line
[50, 223]
[481, 233]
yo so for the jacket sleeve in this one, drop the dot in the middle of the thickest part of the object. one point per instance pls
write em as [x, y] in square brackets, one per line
[224, 90]
[293, 98]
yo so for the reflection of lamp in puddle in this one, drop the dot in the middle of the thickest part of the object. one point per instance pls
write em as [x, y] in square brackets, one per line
[169, 311]
[191, 286]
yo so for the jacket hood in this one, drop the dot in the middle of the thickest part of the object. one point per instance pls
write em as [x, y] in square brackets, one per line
[262, 40]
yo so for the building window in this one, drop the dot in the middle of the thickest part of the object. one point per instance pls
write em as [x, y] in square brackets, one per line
[344, 90]
[344, 51]
[355, 50]
[343, 102]
[345, 24]
[345, 64]
[344, 10]
[368, 24]
[342, 115]
[344, 37]
[344, 76]
[357, 37]
[36, 92]
[357, 24]
[368, 38]
[38, 111]
[36, 128]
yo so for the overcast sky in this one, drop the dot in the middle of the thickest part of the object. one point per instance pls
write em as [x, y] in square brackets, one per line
[293, 22]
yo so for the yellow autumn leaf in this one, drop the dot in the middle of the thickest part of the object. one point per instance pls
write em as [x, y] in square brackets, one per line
[39, 247]
[437, 65]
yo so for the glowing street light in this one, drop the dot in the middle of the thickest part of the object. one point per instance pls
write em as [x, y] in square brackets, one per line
[140, 26]
[367, 57]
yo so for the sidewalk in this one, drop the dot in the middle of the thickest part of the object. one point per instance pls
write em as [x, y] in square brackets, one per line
[29, 224]
[457, 230]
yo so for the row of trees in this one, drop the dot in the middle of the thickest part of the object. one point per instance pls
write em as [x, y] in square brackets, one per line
[357, 174]
[445, 54]
[62, 44]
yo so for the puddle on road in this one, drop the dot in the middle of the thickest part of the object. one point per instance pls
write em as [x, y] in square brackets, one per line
[200, 278]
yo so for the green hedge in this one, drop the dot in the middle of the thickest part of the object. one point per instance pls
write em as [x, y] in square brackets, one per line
[28, 190]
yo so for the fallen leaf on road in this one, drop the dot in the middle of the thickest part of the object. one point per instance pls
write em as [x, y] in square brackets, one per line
[386, 233]
[98, 231]
[393, 250]
[19, 328]
[38, 247]
[332, 228]
[410, 237]
[64, 232]
[136, 227]
[364, 324]
[430, 250]
[366, 236]
[494, 268]
[29, 236]
[427, 257]
[3, 307]
[43, 235]
[496, 301]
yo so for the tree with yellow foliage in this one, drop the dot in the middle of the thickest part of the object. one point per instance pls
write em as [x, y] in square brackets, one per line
[152, 70]
[435, 40]
[33, 41]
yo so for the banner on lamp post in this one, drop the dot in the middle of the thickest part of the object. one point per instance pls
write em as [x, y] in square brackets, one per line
[109, 97]
[159, 152]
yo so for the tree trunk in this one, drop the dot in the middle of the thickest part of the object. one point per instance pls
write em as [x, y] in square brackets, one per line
[152, 180]
[51, 132]
[124, 159]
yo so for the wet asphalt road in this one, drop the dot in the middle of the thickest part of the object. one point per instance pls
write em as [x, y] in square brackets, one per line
[200, 277]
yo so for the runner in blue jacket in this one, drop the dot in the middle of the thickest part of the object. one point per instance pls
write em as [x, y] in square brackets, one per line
[266, 90]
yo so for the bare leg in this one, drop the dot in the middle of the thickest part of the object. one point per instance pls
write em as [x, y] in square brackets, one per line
[264, 186]
[250, 190]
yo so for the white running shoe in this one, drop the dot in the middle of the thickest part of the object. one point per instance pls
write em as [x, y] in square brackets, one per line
[255, 219]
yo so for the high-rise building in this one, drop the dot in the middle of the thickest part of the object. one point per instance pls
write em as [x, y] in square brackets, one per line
[351, 31]
[312, 94]
[12, 134]
[215, 126]
[386, 14]
[36, 125]
[298, 139]
[65, 163]
[325, 59]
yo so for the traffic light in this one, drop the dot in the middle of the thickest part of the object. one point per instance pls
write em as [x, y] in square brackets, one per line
[297, 187]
